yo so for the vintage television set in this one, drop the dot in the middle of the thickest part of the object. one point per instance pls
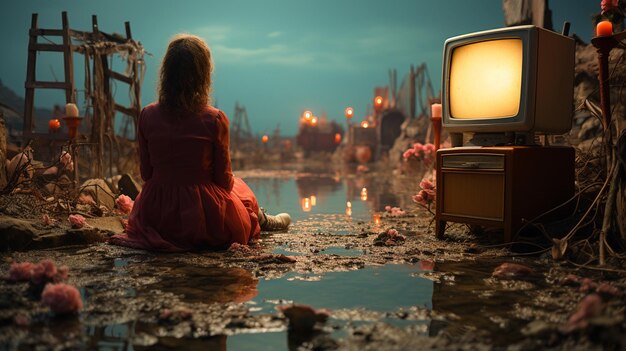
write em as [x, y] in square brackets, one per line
[500, 89]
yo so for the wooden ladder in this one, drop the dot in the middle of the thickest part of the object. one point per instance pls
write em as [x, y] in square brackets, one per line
[31, 80]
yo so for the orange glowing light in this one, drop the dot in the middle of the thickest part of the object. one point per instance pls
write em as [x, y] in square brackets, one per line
[376, 218]
[378, 102]
[307, 115]
[349, 211]
[265, 138]
[349, 112]
[54, 124]
[313, 120]
[604, 28]
[365, 124]
[364, 194]
[337, 138]
[306, 204]
[313, 200]
[349, 204]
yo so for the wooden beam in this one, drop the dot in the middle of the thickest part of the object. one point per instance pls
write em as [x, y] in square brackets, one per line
[120, 77]
[125, 110]
[46, 47]
[68, 61]
[129, 35]
[47, 32]
[29, 96]
[47, 85]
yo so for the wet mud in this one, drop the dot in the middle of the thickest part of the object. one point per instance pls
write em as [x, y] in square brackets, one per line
[409, 294]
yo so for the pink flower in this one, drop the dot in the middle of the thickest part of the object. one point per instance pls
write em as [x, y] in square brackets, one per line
[429, 149]
[419, 199]
[237, 247]
[418, 147]
[392, 232]
[511, 271]
[408, 153]
[44, 271]
[77, 221]
[388, 208]
[61, 298]
[590, 306]
[86, 199]
[427, 184]
[47, 220]
[21, 271]
[608, 5]
[124, 203]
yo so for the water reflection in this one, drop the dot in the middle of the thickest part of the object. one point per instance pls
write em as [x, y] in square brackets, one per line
[309, 194]
[209, 284]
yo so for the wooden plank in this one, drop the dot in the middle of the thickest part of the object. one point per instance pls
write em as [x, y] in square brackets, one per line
[46, 32]
[129, 35]
[125, 110]
[120, 77]
[46, 47]
[46, 85]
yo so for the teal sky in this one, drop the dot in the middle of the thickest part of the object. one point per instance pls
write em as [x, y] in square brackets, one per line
[277, 58]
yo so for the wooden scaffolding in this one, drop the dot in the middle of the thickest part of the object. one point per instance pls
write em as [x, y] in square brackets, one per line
[96, 47]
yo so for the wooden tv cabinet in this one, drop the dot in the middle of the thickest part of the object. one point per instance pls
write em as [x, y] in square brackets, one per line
[501, 186]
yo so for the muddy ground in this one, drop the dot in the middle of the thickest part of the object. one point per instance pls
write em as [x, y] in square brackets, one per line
[158, 296]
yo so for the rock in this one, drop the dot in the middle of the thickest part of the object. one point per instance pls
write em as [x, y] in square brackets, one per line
[302, 318]
[106, 224]
[99, 190]
[589, 307]
[128, 186]
[511, 271]
[16, 234]
[21, 163]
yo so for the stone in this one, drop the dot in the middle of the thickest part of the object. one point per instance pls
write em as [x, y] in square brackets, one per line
[99, 190]
[16, 234]
[128, 186]
[106, 224]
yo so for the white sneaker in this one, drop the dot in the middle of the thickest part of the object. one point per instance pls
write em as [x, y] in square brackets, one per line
[280, 221]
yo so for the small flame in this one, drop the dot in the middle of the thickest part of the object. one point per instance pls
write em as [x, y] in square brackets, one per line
[313, 200]
[307, 115]
[306, 204]
[349, 112]
[265, 138]
[376, 218]
[365, 124]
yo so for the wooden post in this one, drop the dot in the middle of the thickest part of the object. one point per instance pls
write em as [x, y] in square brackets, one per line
[30, 79]
[68, 60]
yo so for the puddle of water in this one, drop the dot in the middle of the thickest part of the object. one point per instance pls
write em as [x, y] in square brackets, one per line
[384, 288]
[333, 250]
[307, 196]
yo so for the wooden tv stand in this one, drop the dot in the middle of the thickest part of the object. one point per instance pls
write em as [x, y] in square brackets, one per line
[501, 186]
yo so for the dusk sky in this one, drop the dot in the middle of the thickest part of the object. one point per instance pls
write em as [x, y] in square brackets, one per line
[277, 58]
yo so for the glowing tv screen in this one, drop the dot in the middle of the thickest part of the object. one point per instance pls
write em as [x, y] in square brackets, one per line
[515, 79]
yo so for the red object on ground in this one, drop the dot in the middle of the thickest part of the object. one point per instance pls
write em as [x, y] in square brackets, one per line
[190, 200]
[61, 298]
[54, 124]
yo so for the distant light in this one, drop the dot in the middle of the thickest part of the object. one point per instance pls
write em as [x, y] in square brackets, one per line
[306, 204]
[364, 194]
[337, 138]
[265, 138]
[313, 200]
[376, 218]
[313, 120]
[365, 124]
[349, 211]
[378, 102]
[349, 112]
[349, 204]
[307, 115]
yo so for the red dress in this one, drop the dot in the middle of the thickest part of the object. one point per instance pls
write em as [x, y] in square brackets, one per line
[190, 199]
